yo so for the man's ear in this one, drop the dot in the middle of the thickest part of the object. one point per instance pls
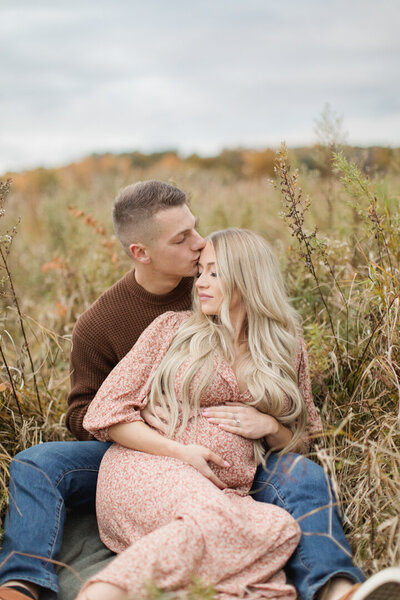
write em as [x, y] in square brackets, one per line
[139, 253]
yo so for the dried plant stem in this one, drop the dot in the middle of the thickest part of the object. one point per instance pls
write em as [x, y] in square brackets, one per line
[295, 218]
[371, 494]
[11, 382]
[21, 322]
[353, 379]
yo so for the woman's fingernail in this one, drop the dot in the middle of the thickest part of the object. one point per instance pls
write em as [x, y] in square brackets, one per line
[227, 464]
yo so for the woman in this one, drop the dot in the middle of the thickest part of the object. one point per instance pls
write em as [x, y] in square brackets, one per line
[175, 504]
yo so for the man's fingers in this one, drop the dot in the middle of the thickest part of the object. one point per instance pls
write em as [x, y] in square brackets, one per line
[161, 413]
[154, 422]
[150, 419]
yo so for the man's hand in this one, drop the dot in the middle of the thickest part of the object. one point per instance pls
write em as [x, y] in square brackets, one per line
[199, 457]
[242, 419]
[161, 424]
[151, 419]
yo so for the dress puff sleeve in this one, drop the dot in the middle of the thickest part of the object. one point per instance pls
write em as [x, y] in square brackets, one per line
[314, 424]
[124, 392]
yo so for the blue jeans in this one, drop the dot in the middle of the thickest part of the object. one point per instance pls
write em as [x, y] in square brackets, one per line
[47, 479]
[301, 487]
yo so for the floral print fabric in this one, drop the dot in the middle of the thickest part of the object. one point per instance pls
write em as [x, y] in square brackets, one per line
[166, 521]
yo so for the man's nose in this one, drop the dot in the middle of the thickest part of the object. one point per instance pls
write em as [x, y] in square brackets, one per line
[199, 242]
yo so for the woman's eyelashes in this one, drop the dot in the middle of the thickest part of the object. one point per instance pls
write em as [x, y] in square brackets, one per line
[212, 273]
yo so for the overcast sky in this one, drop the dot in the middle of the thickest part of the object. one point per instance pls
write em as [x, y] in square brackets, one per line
[82, 76]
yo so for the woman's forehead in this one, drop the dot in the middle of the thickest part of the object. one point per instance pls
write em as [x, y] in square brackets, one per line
[207, 255]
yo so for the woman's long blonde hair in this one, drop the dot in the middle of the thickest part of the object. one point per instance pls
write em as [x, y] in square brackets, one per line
[244, 264]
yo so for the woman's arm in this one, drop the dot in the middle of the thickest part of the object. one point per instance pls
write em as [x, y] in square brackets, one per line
[139, 436]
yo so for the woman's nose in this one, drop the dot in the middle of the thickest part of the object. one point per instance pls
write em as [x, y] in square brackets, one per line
[200, 281]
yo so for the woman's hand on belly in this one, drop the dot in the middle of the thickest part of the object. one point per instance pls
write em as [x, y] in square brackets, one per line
[242, 419]
[198, 457]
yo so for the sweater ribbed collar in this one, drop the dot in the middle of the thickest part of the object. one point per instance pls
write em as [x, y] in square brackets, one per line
[184, 288]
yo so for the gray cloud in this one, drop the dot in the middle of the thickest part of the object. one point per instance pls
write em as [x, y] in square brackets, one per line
[82, 76]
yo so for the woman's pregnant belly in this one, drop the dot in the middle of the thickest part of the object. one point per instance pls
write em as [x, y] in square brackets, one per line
[236, 450]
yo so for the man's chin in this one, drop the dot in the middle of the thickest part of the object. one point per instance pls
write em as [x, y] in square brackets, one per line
[191, 272]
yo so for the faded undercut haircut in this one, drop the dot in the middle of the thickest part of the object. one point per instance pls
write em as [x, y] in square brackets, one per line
[136, 205]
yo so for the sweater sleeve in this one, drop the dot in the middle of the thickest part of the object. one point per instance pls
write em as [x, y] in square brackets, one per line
[124, 392]
[314, 424]
[90, 364]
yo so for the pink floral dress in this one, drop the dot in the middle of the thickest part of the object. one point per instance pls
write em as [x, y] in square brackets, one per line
[164, 519]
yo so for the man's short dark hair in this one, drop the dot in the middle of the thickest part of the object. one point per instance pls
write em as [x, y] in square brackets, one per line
[136, 205]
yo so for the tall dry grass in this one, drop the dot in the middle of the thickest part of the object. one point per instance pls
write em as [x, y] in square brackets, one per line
[348, 292]
[343, 278]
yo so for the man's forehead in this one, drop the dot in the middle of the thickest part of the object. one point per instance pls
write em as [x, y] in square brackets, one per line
[175, 220]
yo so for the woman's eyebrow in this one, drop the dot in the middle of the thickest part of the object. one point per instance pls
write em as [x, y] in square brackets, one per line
[209, 264]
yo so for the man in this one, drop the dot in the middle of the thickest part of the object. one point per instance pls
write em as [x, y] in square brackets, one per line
[156, 228]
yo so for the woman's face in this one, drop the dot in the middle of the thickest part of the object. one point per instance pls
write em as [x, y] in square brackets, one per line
[207, 284]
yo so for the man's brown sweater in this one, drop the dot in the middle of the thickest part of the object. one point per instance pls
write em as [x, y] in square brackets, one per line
[106, 331]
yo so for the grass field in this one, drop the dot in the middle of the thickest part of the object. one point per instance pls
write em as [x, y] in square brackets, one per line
[58, 253]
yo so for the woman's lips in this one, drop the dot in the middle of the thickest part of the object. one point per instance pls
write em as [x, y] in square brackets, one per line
[204, 297]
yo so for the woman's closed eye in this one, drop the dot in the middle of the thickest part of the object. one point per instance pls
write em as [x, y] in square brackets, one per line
[212, 273]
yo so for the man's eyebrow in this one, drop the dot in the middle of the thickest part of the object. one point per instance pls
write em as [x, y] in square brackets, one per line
[187, 229]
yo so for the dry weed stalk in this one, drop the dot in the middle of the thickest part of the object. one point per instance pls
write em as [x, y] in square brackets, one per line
[28, 411]
[360, 395]
[5, 246]
[311, 248]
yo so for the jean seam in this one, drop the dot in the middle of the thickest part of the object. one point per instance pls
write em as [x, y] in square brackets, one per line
[282, 499]
[56, 532]
[65, 473]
